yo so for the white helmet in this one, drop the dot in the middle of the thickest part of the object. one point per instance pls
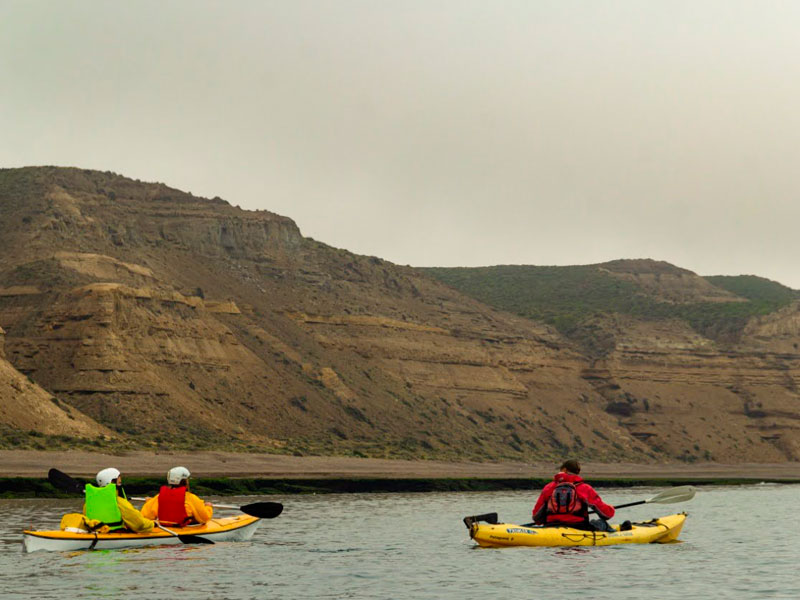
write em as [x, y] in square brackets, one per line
[177, 474]
[106, 476]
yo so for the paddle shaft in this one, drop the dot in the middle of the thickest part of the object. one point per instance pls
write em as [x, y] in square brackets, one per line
[678, 494]
[667, 499]
[618, 506]
[261, 510]
[231, 506]
[169, 531]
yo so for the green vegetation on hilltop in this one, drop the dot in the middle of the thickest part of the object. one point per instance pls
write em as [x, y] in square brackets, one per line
[560, 296]
[572, 298]
[755, 289]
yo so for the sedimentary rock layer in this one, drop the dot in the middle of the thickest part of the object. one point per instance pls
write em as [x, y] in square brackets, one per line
[171, 319]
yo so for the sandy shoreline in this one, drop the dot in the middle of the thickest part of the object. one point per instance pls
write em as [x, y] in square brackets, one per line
[30, 463]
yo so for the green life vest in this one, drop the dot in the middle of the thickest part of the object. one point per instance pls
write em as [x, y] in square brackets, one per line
[101, 504]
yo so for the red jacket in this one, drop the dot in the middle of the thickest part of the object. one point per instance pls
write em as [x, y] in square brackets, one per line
[586, 494]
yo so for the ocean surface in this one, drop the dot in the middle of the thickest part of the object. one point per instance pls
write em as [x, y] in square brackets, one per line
[738, 542]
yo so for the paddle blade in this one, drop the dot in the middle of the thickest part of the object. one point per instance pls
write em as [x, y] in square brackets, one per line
[183, 537]
[677, 494]
[263, 510]
[64, 482]
[194, 539]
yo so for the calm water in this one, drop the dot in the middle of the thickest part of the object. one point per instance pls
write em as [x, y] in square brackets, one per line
[738, 542]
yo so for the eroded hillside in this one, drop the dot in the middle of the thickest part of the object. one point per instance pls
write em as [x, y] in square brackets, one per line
[26, 408]
[687, 364]
[184, 322]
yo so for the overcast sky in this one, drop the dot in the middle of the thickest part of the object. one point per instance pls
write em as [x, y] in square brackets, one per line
[436, 133]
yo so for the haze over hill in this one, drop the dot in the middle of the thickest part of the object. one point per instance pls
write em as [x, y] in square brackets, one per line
[150, 317]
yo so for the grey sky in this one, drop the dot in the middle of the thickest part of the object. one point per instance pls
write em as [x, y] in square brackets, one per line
[443, 133]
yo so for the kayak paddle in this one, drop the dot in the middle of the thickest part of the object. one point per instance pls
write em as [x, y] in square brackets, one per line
[62, 481]
[186, 539]
[670, 496]
[261, 510]
[677, 494]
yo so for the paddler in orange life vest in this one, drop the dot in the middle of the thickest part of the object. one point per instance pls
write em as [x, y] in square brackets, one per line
[567, 499]
[175, 504]
[107, 503]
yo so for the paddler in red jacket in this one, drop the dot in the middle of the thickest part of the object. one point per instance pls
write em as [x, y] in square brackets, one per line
[175, 504]
[567, 499]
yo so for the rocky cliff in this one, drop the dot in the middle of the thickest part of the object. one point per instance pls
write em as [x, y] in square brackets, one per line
[168, 320]
[26, 408]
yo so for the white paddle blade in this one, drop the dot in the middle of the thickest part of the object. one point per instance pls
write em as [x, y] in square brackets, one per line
[677, 494]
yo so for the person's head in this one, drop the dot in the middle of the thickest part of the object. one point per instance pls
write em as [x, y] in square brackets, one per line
[109, 475]
[177, 476]
[571, 466]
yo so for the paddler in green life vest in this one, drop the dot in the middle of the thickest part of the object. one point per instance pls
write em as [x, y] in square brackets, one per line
[107, 503]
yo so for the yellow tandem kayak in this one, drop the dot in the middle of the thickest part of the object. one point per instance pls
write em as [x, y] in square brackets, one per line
[228, 529]
[662, 531]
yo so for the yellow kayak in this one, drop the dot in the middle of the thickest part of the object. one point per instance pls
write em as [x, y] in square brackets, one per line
[661, 531]
[228, 529]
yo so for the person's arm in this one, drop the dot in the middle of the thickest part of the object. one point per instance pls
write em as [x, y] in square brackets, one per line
[132, 518]
[150, 508]
[196, 508]
[540, 510]
[593, 500]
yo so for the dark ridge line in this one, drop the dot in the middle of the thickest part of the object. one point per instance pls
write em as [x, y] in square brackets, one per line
[39, 487]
